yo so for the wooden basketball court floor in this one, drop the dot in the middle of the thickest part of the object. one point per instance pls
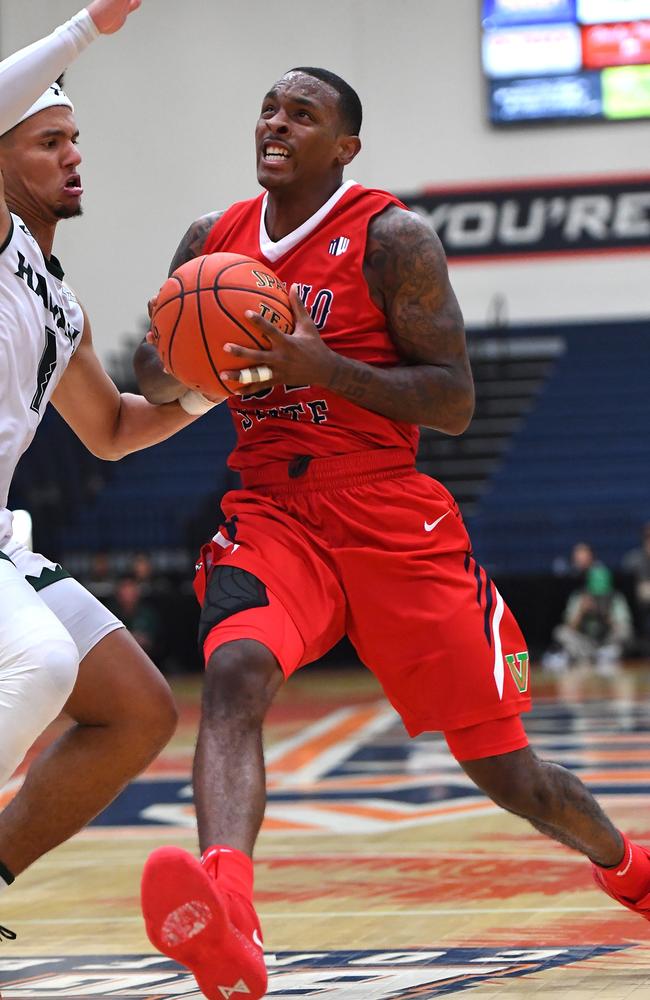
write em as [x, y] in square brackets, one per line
[381, 873]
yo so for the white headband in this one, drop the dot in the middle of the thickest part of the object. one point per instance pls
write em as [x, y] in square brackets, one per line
[53, 97]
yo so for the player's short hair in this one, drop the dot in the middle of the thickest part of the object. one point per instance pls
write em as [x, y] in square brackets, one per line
[349, 103]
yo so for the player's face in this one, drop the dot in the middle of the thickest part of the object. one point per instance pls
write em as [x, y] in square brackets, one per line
[299, 137]
[41, 165]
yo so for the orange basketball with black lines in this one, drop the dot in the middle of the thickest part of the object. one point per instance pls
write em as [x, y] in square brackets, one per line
[202, 306]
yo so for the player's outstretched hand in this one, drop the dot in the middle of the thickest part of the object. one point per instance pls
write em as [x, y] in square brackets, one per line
[110, 15]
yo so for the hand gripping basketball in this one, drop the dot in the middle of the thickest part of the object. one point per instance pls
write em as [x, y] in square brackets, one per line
[207, 303]
[110, 15]
[301, 359]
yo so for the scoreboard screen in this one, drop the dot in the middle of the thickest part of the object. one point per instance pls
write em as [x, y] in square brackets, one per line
[553, 60]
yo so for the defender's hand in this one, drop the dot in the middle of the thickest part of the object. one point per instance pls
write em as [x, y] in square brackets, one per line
[110, 15]
[298, 358]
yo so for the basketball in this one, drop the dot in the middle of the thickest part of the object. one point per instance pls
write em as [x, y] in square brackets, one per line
[202, 306]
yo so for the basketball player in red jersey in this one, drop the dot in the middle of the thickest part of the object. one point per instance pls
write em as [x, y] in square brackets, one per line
[334, 531]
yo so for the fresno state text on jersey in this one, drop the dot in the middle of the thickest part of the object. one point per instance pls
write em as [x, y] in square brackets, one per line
[324, 257]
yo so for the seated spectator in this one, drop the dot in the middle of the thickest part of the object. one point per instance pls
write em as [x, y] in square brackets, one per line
[637, 564]
[100, 581]
[578, 564]
[140, 616]
[596, 626]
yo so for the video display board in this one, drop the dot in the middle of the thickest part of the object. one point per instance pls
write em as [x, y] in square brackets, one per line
[549, 60]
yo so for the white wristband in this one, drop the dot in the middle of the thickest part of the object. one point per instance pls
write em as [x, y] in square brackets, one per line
[194, 403]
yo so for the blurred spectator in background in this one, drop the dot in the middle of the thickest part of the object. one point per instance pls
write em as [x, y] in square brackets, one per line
[578, 564]
[101, 579]
[582, 561]
[154, 584]
[596, 626]
[139, 614]
[636, 564]
[142, 571]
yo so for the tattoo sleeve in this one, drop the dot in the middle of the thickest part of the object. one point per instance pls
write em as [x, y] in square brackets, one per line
[191, 245]
[406, 271]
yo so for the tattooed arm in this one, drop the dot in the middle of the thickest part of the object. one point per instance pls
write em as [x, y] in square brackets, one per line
[406, 271]
[192, 244]
[154, 383]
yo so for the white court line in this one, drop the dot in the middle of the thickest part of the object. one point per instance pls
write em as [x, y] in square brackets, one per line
[463, 911]
[130, 859]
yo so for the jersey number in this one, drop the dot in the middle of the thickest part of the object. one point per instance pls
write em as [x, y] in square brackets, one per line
[46, 368]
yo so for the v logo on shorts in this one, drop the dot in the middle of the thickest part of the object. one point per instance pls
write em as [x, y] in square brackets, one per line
[430, 527]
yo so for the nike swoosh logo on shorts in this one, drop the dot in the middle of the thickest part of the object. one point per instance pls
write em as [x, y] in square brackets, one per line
[430, 527]
[257, 939]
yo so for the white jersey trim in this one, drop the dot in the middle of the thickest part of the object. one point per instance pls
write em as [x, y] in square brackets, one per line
[273, 251]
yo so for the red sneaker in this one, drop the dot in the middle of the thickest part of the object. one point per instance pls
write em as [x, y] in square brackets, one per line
[186, 918]
[641, 906]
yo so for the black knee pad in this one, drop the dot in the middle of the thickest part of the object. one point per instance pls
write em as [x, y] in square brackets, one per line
[229, 590]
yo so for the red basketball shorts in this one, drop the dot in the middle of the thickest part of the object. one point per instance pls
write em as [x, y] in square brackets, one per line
[365, 544]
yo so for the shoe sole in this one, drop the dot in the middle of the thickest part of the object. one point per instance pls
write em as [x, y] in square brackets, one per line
[185, 920]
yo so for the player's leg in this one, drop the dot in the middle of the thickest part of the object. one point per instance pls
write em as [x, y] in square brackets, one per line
[550, 797]
[229, 779]
[122, 713]
[453, 659]
[38, 667]
[557, 804]
[201, 912]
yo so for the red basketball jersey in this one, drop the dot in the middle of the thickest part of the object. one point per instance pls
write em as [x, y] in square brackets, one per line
[324, 257]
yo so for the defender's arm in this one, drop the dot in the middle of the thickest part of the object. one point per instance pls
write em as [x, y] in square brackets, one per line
[110, 424]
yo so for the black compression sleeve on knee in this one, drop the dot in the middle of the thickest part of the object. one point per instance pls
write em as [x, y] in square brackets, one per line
[229, 590]
[6, 875]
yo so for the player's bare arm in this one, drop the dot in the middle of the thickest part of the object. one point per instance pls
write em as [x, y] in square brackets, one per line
[156, 385]
[406, 270]
[407, 275]
[110, 424]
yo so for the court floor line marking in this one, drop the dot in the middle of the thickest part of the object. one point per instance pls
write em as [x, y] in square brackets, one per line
[330, 914]
[127, 859]
[319, 748]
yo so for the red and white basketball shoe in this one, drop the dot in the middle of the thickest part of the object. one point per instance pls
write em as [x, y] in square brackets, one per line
[187, 917]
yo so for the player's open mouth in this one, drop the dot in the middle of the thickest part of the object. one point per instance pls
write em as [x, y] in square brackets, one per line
[73, 186]
[275, 154]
